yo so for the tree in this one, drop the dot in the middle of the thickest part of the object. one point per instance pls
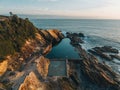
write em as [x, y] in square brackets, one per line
[11, 14]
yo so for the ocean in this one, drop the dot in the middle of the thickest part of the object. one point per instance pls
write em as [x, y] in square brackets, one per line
[108, 29]
[97, 32]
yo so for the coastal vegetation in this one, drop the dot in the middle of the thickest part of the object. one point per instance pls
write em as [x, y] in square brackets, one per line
[14, 32]
[27, 68]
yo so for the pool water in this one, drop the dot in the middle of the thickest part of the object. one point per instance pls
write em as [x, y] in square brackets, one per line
[63, 50]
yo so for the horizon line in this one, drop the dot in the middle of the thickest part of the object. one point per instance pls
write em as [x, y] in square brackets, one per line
[50, 16]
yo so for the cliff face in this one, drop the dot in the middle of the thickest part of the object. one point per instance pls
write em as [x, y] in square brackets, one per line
[17, 34]
[23, 65]
[20, 41]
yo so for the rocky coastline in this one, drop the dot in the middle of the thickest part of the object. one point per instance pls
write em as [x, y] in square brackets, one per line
[92, 71]
[28, 69]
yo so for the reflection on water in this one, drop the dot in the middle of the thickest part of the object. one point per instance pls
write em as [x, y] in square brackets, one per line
[63, 50]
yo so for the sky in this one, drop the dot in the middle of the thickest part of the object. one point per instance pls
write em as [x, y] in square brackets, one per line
[74, 8]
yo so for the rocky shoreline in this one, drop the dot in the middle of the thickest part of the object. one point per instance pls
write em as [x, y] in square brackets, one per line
[28, 69]
[92, 71]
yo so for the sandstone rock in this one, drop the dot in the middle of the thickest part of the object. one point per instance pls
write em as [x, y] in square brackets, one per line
[57, 35]
[40, 39]
[47, 49]
[28, 45]
[31, 82]
[43, 66]
[47, 36]
[51, 36]
[3, 67]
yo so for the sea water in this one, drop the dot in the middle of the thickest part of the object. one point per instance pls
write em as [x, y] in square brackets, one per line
[107, 29]
[97, 32]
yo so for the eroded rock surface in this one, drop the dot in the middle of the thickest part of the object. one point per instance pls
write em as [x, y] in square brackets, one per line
[104, 52]
[3, 67]
[99, 73]
[93, 71]
[31, 82]
[21, 40]
[42, 66]
[75, 38]
[21, 43]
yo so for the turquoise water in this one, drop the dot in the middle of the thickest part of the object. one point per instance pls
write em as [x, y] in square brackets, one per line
[63, 50]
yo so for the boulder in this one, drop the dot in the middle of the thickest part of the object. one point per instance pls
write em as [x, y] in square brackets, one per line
[104, 52]
[3, 67]
[115, 56]
[31, 82]
[101, 54]
[47, 49]
[56, 34]
[75, 38]
[42, 66]
[81, 35]
[107, 49]
[75, 34]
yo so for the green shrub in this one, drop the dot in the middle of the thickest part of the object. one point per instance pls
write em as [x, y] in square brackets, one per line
[13, 34]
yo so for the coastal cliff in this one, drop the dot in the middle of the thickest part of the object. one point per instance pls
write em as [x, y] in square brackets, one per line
[24, 66]
[21, 41]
